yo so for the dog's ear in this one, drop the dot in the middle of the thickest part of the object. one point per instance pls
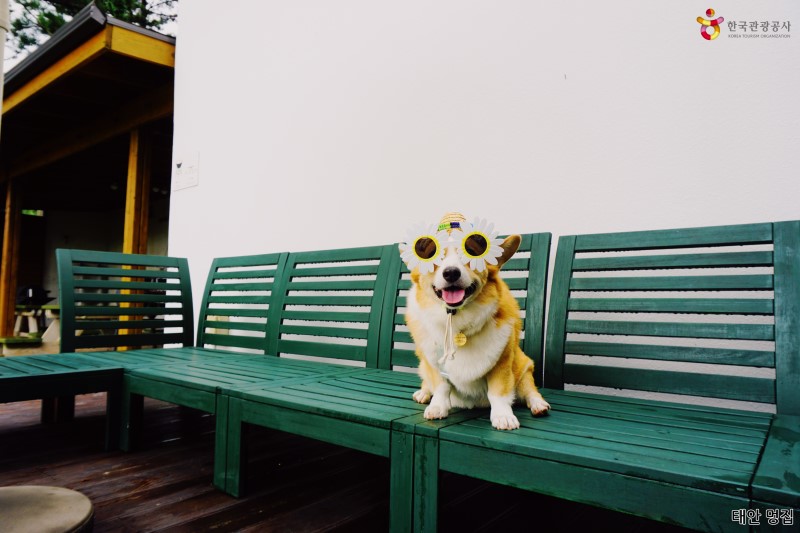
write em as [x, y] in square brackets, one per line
[509, 246]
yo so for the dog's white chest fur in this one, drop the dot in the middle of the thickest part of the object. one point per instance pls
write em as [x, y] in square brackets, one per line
[467, 369]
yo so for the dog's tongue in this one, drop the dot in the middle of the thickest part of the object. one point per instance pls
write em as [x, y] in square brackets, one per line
[453, 296]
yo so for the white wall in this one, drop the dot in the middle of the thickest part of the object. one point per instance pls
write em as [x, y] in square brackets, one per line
[321, 124]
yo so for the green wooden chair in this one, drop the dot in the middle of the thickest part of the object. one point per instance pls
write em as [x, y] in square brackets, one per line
[330, 308]
[689, 313]
[108, 300]
[112, 301]
[368, 409]
[231, 342]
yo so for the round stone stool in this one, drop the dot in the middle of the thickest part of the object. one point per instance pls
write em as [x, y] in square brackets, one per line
[29, 508]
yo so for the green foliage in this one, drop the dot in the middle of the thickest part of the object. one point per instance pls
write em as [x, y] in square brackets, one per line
[33, 21]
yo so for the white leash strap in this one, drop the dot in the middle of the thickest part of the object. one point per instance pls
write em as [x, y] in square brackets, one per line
[449, 344]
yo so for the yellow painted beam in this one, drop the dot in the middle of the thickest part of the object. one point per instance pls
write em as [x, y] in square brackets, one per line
[119, 40]
[85, 52]
[137, 197]
[130, 43]
[137, 205]
[10, 261]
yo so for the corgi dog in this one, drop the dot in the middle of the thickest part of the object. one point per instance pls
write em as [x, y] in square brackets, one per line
[465, 323]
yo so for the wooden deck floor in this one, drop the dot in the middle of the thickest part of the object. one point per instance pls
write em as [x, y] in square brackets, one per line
[296, 484]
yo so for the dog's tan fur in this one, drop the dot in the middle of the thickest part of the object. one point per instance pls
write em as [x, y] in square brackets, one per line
[491, 369]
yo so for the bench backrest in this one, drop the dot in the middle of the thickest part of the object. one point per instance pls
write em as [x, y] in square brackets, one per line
[111, 300]
[526, 276]
[236, 302]
[711, 312]
[328, 304]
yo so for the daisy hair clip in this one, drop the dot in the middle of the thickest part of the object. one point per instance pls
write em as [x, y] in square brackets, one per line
[476, 244]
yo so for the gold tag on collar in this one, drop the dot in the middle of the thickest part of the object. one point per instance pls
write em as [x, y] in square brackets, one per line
[460, 339]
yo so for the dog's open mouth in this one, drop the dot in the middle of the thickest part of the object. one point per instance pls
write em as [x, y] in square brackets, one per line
[455, 296]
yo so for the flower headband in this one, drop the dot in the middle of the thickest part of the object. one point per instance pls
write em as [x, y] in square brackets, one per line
[476, 244]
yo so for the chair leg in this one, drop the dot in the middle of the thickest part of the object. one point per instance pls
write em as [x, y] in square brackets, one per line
[132, 410]
[236, 450]
[401, 485]
[113, 418]
[221, 441]
[426, 484]
[59, 409]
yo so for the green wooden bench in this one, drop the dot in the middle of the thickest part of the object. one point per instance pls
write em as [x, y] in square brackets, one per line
[232, 339]
[691, 314]
[332, 295]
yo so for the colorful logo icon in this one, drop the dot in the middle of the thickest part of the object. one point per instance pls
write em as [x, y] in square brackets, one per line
[709, 28]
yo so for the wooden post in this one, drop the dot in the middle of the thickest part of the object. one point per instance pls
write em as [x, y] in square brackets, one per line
[137, 199]
[137, 203]
[10, 261]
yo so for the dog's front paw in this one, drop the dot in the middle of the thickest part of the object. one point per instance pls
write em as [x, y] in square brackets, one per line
[538, 405]
[422, 396]
[505, 422]
[435, 411]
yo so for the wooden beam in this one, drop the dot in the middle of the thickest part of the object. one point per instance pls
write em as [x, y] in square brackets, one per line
[137, 205]
[83, 53]
[133, 44]
[137, 198]
[155, 105]
[10, 261]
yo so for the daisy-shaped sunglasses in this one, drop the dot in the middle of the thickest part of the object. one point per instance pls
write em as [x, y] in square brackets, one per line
[475, 243]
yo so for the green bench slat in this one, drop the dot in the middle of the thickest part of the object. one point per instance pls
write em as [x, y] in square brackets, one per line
[516, 283]
[680, 283]
[327, 316]
[126, 298]
[243, 274]
[321, 349]
[677, 238]
[124, 272]
[355, 301]
[745, 306]
[233, 341]
[401, 357]
[345, 285]
[321, 331]
[99, 311]
[673, 329]
[235, 312]
[594, 454]
[134, 339]
[729, 259]
[230, 287]
[232, 299]
[741, 426]
[123, 284]
[742, 388]
[691, 354]
[128, 324]
[234, 325]
[349, 270]
[402, 336]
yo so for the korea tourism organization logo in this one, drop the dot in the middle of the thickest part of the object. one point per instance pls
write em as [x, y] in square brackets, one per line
[709, 28]
[758, 27]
